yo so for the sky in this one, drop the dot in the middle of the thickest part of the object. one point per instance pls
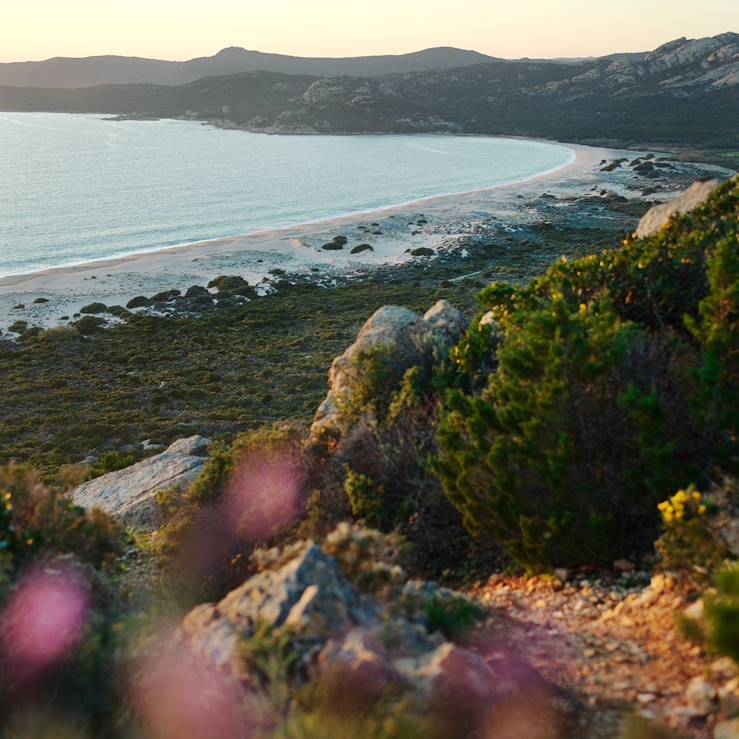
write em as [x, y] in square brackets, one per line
[182, 29]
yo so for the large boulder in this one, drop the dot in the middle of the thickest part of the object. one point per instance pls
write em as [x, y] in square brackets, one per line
[308, 594]
[656, 218]
[129, 495]
[405, 339]
[361, 637]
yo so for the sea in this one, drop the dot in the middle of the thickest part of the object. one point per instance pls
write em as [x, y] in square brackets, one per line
[79, 188]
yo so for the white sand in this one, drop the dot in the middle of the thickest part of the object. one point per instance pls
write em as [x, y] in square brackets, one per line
[295, 249]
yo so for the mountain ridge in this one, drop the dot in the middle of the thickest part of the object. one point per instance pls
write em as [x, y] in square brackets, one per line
[684, 92]
[76, 72]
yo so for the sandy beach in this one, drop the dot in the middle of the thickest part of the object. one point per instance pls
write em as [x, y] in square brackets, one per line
[435, 223]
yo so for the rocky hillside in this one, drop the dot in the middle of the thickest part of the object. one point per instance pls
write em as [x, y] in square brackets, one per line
[683, 92]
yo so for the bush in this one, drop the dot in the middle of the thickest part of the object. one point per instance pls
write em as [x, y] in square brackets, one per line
[690, 544]
[205, 542]
[580, 401]
[36, 521]
[89, 325]
[378, 473]
[94, 308]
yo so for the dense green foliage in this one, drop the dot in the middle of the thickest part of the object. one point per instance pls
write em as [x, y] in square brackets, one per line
[583, 399]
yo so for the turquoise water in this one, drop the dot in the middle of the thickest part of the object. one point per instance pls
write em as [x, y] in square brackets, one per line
[79, 188]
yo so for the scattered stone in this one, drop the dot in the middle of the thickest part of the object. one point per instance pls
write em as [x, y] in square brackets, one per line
[422, 251]
[701, 695]
[94, 308]
[361, 247]
[166, 296]
[196, 291]
[41, 300]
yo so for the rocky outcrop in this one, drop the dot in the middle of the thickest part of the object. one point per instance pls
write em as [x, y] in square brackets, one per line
[374, 633]
[656, 218]
[404, 337]
[129, 495]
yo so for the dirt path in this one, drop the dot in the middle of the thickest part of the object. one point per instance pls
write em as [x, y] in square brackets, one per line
[612, 644]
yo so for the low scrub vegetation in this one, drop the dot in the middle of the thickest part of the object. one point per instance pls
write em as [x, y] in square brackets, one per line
[582, 400]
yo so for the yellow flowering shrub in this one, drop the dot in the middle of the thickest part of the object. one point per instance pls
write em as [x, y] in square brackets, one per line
[689, 543]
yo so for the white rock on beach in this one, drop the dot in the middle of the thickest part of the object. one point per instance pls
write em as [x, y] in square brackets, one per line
[130, 494]
[656, 218]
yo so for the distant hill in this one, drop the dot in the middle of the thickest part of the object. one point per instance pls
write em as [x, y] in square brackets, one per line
[686, 91]
[104, 70]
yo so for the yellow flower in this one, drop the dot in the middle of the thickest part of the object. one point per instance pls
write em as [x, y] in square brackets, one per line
[7, 495]
[8, 506]
[680, 498]
[583, 308]
[701, 509]
[29, 542]
[697, 496]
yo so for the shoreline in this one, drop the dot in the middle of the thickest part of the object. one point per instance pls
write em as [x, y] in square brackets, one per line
[578, 193]
[19, 278]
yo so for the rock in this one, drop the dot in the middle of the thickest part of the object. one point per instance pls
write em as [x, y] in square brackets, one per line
[195, 291]
[361, 661]
[656, 218]
[448, 323]
[166, 296]
[422, 251]
[361, 248]
[130, 494]
[623, 565]
[404, 337]
[39, 301]
[695, 611]
[701, 695]
[309, 594]
[728, 698]
[140, 301]
[727, 730]
[332, 246]
[148, 446]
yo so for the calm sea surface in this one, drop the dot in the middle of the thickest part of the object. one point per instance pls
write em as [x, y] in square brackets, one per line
[78, 188]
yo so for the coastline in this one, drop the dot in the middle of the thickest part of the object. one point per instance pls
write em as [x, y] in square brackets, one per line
[397, 233]
[582, 157]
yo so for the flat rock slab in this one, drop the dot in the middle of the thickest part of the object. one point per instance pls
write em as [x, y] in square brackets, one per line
[129, 495]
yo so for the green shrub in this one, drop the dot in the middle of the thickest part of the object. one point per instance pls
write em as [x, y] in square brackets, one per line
[89, 325]
[722, 613]
[689, 544]
[453, 617]
[582, 400]
[36, 521]
[94, 308]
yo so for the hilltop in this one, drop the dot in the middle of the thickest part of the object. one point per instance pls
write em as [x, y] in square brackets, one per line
[684, 92]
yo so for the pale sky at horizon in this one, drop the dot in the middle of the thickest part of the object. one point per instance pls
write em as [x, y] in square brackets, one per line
[182, 29]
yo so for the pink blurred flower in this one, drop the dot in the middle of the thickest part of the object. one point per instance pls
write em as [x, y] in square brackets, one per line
[44, 620]
[263, 495]
[180, 697]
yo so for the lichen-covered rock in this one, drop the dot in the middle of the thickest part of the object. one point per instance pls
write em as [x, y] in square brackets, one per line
[308, 594]
[656, 218]
[130, 494]
[405, 338]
